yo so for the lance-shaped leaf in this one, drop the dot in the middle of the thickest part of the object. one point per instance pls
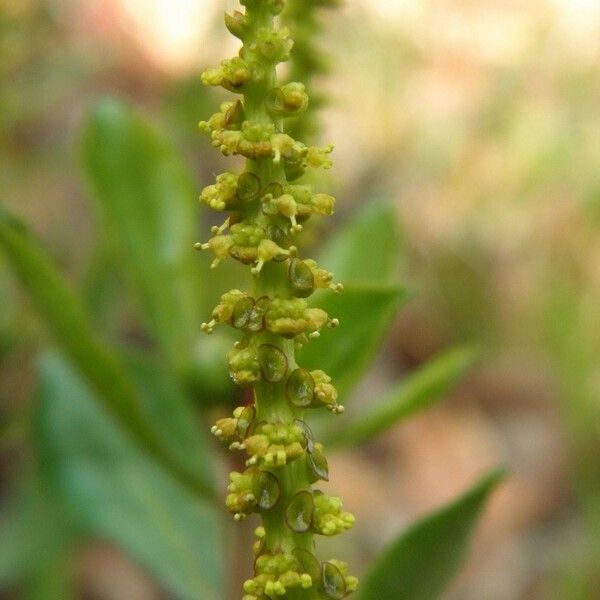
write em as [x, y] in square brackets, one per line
[417, 392]
[367, 249]
[421, 563]
[66, 318]
[145, 198]
[120, 494]
[365, 314]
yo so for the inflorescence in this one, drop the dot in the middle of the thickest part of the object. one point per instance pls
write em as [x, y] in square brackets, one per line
[264, 209]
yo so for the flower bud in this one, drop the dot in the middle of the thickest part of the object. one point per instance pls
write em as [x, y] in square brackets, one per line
[274, 44]
[288, 100]
[329, 518]
[244, 368]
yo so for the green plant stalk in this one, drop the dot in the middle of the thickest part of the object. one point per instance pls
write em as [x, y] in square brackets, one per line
[265, 211]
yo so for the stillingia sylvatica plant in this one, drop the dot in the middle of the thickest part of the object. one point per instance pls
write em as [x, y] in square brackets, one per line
[265, 208]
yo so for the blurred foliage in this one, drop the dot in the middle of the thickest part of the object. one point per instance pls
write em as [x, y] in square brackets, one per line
[90, 405]
[420, 564]
[499, 199]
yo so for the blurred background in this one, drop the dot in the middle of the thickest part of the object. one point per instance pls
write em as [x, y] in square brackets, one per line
[478, 121]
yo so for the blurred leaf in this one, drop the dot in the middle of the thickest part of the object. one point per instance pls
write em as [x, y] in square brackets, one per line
[146, 199]
[417, 392]
[367, 249]
[365, 314]
[34, 534]
[104, 292]
[208, 378]
[8, 314]
[172, 413]
[118, 493]
[63, 313]
[54, 580]
[421, 563]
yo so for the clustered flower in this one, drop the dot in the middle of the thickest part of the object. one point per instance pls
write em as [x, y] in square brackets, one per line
[265, 207]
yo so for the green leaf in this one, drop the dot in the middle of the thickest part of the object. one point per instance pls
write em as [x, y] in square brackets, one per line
[65, 316]
[104, 291]
[118, 493]
[145, 198]
[367, 249]
[421, 563]
[417, 392]
[365, 314]
[172, 413]
[35, 535]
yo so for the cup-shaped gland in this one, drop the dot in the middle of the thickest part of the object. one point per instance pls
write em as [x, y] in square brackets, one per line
[335, 581]
[301, 278]
[273, 363]
[249, 314]
[299, 512]
[317, 463]
[251, 491]
[312, 389]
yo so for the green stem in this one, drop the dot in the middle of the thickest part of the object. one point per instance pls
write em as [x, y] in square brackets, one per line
[270, 400]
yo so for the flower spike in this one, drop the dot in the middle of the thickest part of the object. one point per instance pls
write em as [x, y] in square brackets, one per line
[264, 206]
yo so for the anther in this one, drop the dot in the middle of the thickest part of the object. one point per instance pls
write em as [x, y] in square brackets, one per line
[333, 323]
[208, 327]
[295, 225]
[257, 269]
[220, 229]
[314, 334]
